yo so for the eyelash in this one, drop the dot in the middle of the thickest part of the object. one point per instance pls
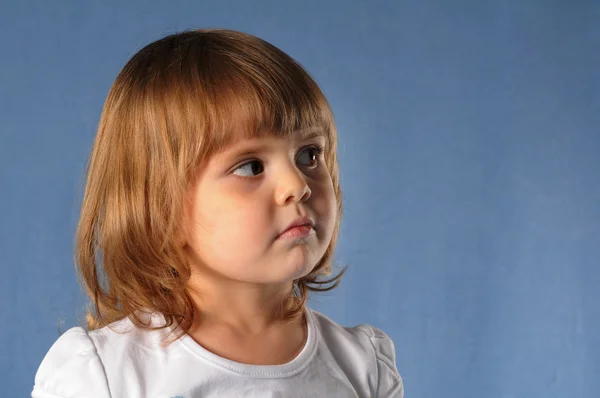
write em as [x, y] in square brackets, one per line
[319, 150]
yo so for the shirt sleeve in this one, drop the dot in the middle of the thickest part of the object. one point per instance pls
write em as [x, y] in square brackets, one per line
[389, 381]
[71, 369]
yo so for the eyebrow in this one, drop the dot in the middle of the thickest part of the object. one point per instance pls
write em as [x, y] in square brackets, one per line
[312, 134]
[257, 147]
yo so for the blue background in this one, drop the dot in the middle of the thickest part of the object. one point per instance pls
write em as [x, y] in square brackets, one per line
[469, 143]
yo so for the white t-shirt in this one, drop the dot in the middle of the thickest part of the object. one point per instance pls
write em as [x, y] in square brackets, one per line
[336, 361]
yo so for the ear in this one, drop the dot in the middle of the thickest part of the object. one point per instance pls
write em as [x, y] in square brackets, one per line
[182, 230]
[181, 237]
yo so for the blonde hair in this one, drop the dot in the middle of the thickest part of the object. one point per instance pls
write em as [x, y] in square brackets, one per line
[176, 102]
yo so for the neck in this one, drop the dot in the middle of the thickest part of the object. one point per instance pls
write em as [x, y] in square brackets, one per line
[250, 309]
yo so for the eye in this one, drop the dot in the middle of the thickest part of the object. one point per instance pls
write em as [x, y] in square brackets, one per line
[255, 166]
[316, 152]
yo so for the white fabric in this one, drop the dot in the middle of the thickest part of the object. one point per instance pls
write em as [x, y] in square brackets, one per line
[336, 361]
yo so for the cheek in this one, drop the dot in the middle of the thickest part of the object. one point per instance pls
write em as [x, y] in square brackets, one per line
[226, 223]
[325, 205]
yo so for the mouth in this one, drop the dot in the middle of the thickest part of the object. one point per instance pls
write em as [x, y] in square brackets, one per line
[299, 231]
[300, 227]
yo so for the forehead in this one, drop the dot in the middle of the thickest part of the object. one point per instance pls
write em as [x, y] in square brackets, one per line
[241, 139]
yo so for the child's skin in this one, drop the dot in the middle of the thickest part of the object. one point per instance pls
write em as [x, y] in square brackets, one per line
[240, 267]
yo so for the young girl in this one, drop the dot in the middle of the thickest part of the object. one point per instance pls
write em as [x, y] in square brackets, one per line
[212, 208]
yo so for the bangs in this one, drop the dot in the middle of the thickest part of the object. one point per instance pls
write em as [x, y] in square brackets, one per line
[245, 107]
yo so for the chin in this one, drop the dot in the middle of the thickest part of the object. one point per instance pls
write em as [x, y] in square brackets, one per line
[300, 270]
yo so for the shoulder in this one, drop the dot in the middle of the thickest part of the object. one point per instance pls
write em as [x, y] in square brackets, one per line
[85, 364]
[71, 368]
[367, 344]
[369, 338]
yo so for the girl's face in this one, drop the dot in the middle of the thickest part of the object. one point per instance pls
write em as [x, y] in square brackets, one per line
[246, 196]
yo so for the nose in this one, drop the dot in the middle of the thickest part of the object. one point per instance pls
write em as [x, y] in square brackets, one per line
[291, 187]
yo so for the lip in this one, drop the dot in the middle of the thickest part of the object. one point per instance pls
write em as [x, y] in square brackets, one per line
[302, 221]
